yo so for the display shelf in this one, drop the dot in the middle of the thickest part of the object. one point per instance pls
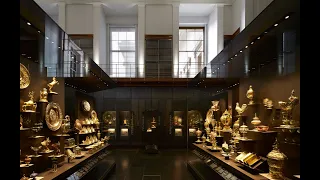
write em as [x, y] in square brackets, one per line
[46, 152]
[61, 135]
[70, 147]
[66, 168]
[87, 133]
[24, 129]
[231, 165]
[26, 166]
[35, 156]
[27, 112]
[36, 137]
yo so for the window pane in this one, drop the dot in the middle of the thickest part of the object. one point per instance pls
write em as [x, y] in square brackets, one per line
[114, 63]
[122, 36]
[115, 46]
[114, 36]
[182, 34]
[199, 34]
[194, 45]
[182, 45]
[191, 35]
[130, 36]
[131, 45]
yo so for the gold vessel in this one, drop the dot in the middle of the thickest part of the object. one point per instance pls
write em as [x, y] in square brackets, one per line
[43, 95]
[241, 109]
[198, 133]
[250, 94]
[243, 130]
[29, 106]
[51, 84]
[77, 125]
[255, 120]
[45, 144]
[268, 103]
[24, 77]
[153, 123]
[215, 105]
[236, 126]
[226, 120]
[286, 110]
[276, 162]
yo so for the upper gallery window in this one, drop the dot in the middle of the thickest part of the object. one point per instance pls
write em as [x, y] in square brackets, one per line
[122, 52]
[191, 51]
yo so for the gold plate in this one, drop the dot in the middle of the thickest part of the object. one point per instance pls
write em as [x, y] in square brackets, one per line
[24, 77]
[53, 116]
[194, 118]
[93, 114]
[86, 105]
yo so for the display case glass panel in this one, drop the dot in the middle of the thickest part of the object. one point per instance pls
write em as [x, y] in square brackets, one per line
[109, 123]
[195, 121]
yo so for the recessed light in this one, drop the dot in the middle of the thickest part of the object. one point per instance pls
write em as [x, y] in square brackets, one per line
[29, 23]
[258, 38]
[231, 58]
[265, 32]
[39, 32]
[241, 51]
[236, 55]
[287, 17]
[275, 25]
[252, 42]
[72, 57]
[52, 42]
[218, 68]
[212, 72]
[59, 47]
[228, 61]
[23, 54]
[47, 38]
[29, 57]
[246, 47]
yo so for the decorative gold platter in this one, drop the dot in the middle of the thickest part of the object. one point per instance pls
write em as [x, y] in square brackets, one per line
[24, 77]
[86, 105]
[53, 116]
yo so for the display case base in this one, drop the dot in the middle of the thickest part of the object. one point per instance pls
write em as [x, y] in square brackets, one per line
[152, 149]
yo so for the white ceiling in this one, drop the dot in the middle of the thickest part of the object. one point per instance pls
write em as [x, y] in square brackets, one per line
[120, 9]
[131, 9]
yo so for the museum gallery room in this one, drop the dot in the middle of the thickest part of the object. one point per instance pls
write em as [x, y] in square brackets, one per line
[159, 89]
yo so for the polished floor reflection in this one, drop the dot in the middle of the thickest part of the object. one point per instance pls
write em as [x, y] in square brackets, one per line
[134, 164]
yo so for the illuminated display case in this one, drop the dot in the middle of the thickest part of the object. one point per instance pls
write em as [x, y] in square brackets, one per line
[126, 124]
[177, 123]
[110, 123]
[195, 121]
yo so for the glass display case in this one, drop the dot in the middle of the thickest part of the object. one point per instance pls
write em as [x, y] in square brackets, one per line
[177, 123]
[126, 124]
[195, 121]
[109, 123]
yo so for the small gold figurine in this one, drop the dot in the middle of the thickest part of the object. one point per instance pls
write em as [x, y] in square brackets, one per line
[226, 120]
[45, 144]
[29, 106]
[153, 123]
[250, 94]
[50, 85]
[241, 109]
[215, 105]
[43, 95]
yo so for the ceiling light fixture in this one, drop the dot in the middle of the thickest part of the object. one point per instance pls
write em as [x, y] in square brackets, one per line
[39, 32]
[265, 32]
[286, 17]
[276, 25]
[47, 38]
[241, 51]
[52, 42]
[252, 42]
[29, 23]
[218, 68]
[246, 47]
[231, 58]
[236, 55]
[59, 47]
[258, 38]
[29, 57]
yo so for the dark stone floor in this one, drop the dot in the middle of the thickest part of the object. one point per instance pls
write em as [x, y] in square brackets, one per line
[134, 164]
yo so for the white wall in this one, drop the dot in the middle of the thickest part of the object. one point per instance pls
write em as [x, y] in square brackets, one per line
[159, 19]
[79, 19]
[227, 20]
[215, 32]
[245, 11]
[124, 20]
[200, 21]
[99, 36]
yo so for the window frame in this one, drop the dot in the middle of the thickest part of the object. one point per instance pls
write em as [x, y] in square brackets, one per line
[110, 51]
[203, 48]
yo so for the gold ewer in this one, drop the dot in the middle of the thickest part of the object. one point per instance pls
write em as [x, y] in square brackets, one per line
[250, 94]
[226, 120]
